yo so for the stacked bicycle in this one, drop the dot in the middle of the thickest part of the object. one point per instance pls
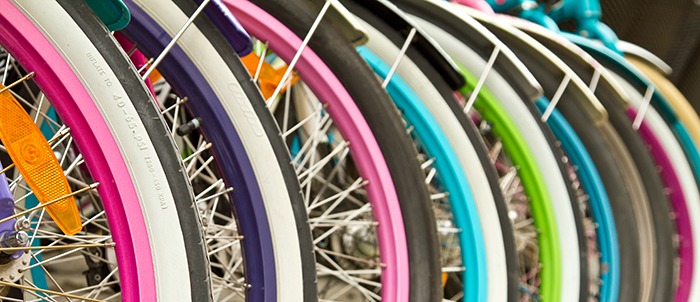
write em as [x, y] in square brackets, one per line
[340, 150]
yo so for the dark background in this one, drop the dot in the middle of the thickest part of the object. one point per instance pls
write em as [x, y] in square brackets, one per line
[668, 28]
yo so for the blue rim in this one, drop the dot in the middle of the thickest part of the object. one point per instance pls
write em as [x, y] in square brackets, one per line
[450, 173]
[237, 171]
[600, 204]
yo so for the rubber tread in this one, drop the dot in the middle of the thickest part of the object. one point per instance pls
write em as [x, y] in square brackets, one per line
[477, 141]
[272, 131]
[150, 116]
[382, 117]
[619, 199]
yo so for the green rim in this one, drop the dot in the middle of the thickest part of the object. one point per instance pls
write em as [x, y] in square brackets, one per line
[516, 148]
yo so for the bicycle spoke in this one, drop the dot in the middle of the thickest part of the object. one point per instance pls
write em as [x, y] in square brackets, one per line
[177, 36]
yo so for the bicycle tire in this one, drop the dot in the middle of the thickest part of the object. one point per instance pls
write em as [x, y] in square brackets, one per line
[451, 176]
[426, 82]
[558, 162]
[87, 98]
[440, 102]
[682, 167]
[655, 226]
[503, 127]
[620, 202]
[663, 288]
[420, 254]
[222, 111]
[684, 109]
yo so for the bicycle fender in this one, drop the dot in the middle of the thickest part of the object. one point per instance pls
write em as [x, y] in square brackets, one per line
[476, 36]
[224, 20]
[343, 20]
[430, 49]
[646, 56]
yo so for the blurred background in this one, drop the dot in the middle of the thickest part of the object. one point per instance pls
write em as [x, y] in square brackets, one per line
[668, 28]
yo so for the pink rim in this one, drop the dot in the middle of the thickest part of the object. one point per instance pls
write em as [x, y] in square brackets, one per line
[365, 151]
[671, 181]
[122, 207]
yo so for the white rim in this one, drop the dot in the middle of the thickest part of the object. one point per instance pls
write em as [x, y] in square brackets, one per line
[683, 171]
[493, 237]
[272, 186]
[568, 237]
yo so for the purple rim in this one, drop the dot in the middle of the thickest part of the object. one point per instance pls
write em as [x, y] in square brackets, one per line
[231, 156]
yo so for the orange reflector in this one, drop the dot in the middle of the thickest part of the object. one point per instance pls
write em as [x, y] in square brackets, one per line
[444, 279]
[155, 76]
[35, 160]
[269, 76]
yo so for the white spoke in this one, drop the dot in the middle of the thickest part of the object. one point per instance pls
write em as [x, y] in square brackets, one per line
[174, 40]
[482, 79]
[297, 55]
[400, 56]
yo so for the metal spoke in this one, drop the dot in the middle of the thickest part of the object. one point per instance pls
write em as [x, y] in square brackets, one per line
[297, 55]
[347, 278]
[260, 63]
[7, 68]
[15, 83]
[55, 247]
[341, 255]
[335, 228]
[316, 168]
[55, 293]
[304, 121]
[174, 40]
[643, 107]
[400, 56]
[595, 79]
[336, 169]
[91, 187]
[339, 196]
[482, 79]
[31, 106]
[555, 99]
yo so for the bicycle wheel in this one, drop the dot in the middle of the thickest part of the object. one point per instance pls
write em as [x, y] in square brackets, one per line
[124, 149]
[269, 209]
[679, 164]
[424, 81]
[456, 48]
[412, 191]
[685, 111]
[616, 63]
[450, 175]
[651, 206]
[549, 70]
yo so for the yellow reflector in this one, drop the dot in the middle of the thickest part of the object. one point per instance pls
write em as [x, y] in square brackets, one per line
[444, 279]
[269, 77]
[35, 160]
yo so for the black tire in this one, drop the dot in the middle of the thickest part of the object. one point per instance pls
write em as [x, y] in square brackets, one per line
[619, 199]
[602, 154]
[164, 147]
[663, 288]
[562, 159]
[382, 117]
[172, 67]
[666, 253]
[472, 132]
